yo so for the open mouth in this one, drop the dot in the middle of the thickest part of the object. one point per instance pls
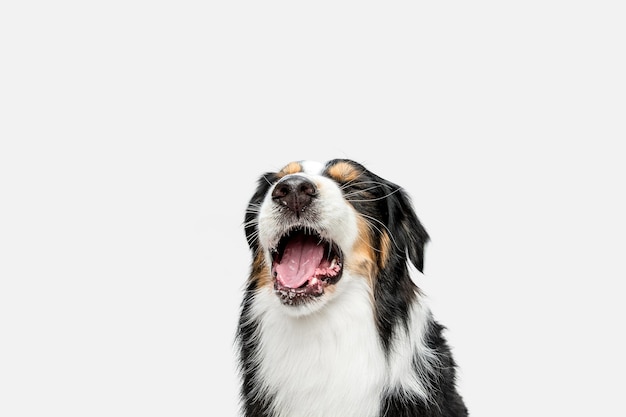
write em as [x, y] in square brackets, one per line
[303, 265]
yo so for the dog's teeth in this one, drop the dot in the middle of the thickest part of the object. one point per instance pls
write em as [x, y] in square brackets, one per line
[333, 263]
[314, 281]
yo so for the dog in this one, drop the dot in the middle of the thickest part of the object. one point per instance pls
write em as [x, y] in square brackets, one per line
[331, 323]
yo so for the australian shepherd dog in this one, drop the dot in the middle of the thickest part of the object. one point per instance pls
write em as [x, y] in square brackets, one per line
[332, 324]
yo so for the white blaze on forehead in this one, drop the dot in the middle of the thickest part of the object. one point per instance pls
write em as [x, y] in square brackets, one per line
[312, 167]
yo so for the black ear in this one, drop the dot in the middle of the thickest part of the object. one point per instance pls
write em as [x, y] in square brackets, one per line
[251, 226]
[407, 232]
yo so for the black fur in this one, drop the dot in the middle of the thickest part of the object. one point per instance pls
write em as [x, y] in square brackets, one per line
[250, 224]
[446, 402]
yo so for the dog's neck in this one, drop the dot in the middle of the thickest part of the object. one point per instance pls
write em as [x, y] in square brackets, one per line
[332, 362]
[327, 363]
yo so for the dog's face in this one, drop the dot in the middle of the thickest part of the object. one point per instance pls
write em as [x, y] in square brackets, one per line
[312, 226]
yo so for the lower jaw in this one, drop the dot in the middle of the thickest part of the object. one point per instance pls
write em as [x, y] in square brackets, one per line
[297, 297]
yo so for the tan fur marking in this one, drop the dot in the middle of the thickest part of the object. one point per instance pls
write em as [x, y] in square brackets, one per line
[261, 272]
[344, 172]
[385, 250]
[363, 259]
[290, 168]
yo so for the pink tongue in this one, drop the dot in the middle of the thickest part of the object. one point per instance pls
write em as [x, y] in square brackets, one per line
[300, 259]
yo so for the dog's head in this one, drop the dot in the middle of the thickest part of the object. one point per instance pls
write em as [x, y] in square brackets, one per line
[312, 226]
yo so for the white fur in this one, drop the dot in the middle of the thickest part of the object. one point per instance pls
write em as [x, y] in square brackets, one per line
[407, 344]
[328, 363]
[312, 167]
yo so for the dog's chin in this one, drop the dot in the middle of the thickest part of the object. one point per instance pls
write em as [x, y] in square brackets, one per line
[305, 269]
[303, 309]
[300, 302]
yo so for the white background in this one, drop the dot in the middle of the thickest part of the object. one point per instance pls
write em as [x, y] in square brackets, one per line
[132, 134]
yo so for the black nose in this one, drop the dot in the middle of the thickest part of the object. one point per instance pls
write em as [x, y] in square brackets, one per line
[295, 192]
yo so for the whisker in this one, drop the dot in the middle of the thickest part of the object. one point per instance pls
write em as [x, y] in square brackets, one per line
[253, 210]
[355, 192]
[374, 199]
[249, 223]
[352, 183]
[266, 180]
[349, 183]
[393, 240]
[367, 243]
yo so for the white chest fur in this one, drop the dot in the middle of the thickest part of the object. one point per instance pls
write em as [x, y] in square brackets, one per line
[329, 363]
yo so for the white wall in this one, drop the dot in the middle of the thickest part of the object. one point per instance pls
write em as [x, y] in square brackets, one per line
[132, 134]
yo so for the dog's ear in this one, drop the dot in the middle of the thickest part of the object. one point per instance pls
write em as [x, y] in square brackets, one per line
[251, 226]
[407, 231]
